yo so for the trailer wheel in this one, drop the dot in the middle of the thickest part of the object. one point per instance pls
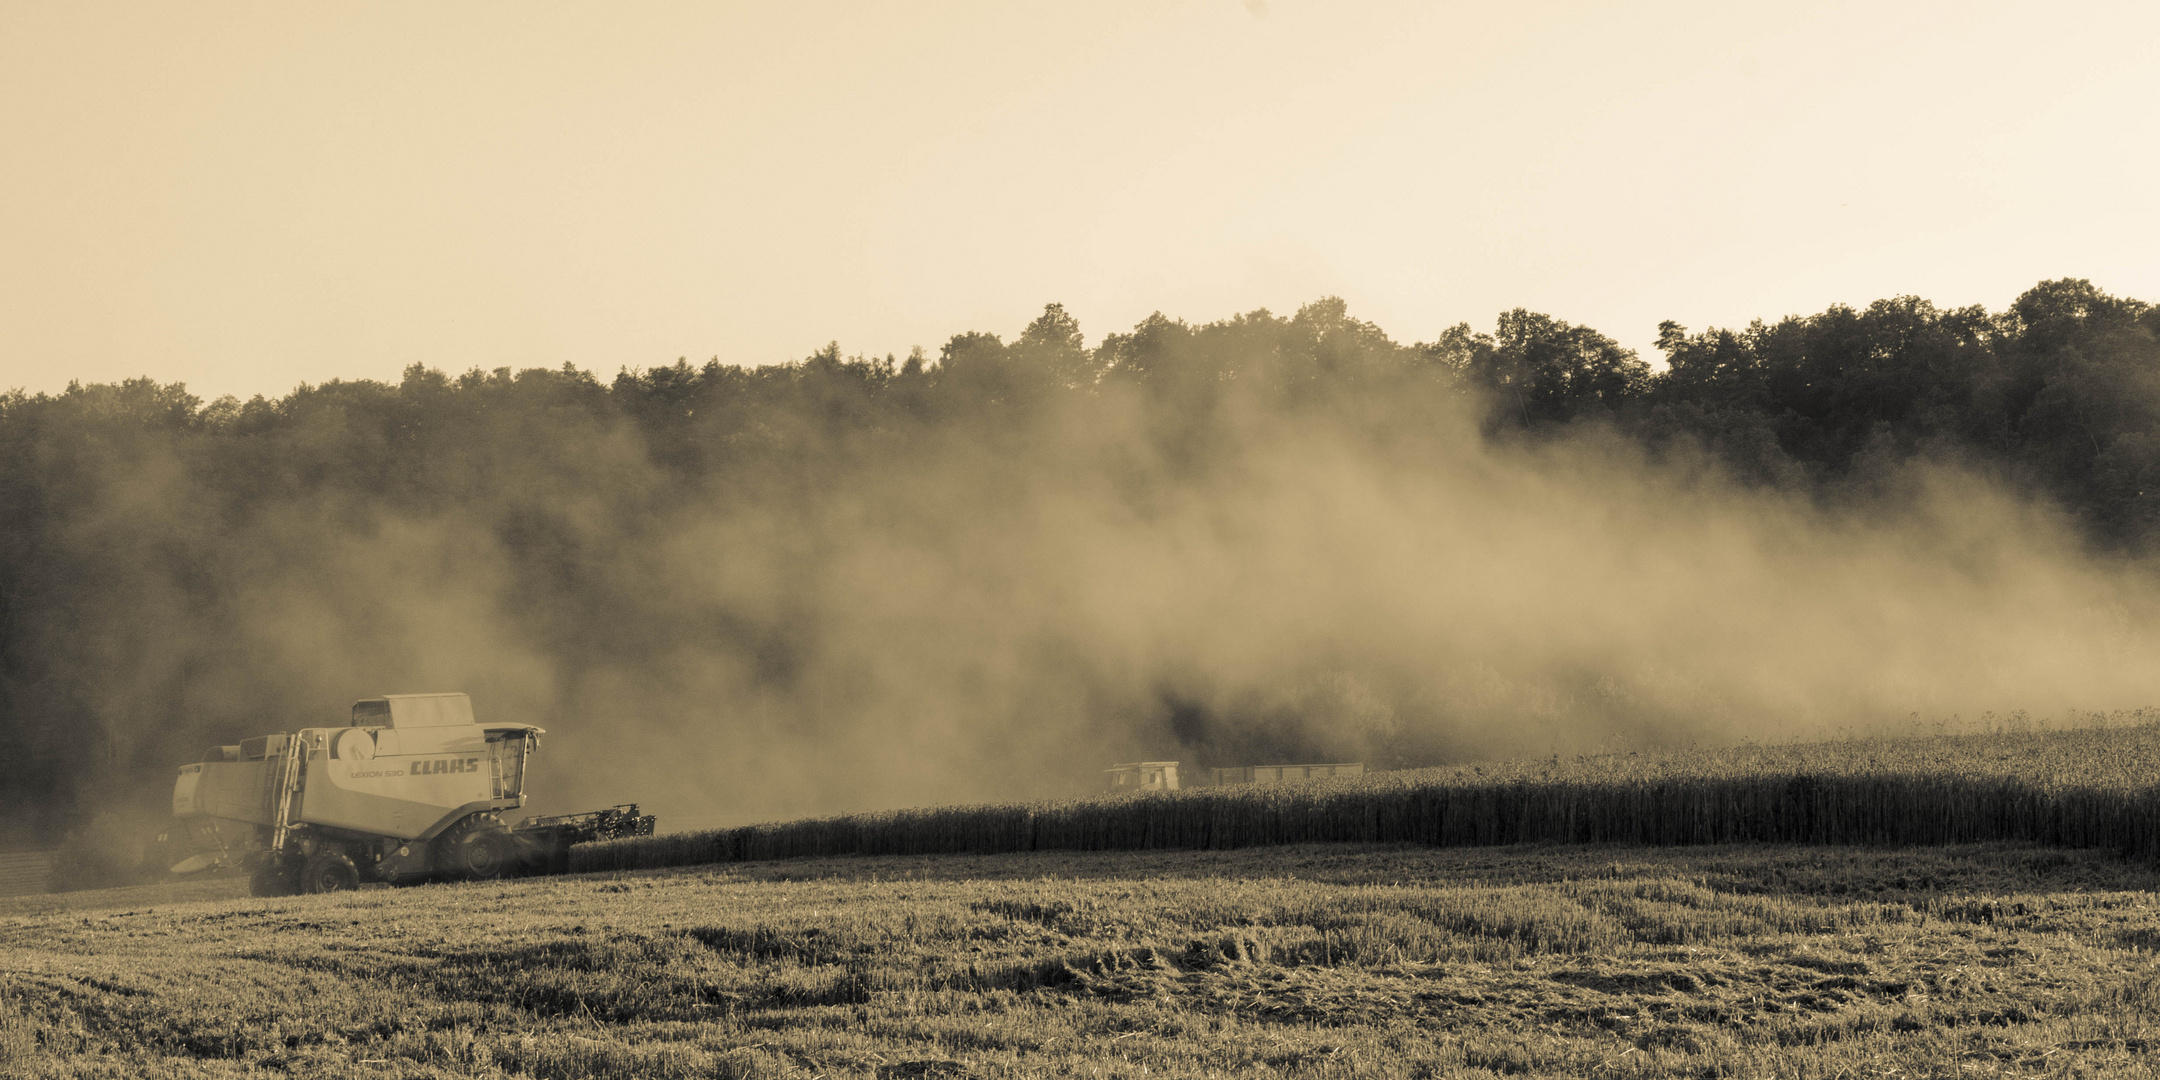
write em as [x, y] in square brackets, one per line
[273, 878]
[329, 871]
[479, 848]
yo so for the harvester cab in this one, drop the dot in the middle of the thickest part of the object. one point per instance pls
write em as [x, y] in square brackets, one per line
[412, 788]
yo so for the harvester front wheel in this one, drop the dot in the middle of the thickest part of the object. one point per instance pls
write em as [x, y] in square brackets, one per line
[479, 848]
[329, 871]
[272, 878]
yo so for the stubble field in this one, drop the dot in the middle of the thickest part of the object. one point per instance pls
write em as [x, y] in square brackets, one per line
[1335, 961]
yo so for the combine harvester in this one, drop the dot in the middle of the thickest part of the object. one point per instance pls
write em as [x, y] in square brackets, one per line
[412, 790]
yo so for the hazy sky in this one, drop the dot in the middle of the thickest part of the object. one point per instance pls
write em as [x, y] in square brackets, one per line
[245, 196]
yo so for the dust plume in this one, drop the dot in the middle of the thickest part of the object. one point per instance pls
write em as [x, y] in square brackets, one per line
[742, 595]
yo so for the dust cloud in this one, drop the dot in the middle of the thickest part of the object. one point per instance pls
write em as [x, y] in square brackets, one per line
[960, 610]
[981, 637]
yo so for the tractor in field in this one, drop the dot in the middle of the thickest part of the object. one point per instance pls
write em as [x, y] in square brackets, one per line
[412, 789]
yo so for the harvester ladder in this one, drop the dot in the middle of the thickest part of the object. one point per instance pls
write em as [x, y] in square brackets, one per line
[288, 784]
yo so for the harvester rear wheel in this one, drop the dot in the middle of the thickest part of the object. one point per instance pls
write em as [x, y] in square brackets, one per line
[329, 871]
[478, 848]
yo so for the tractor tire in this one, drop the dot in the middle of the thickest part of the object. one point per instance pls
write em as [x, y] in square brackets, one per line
[272, 879]
[478, 849]
[329, 871]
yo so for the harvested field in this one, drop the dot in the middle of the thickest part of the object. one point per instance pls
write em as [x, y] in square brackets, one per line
[2089, 788]
[1296, 961]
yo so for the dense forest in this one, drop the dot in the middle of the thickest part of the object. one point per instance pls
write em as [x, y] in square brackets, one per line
[739, 592]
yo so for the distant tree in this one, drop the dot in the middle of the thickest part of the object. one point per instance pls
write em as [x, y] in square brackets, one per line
[1539, 370]
[1156, 353]
[975, 371]
[1053, 345]
[2082, 375]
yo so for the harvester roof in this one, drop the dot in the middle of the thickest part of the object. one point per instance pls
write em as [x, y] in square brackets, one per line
[413, 711]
